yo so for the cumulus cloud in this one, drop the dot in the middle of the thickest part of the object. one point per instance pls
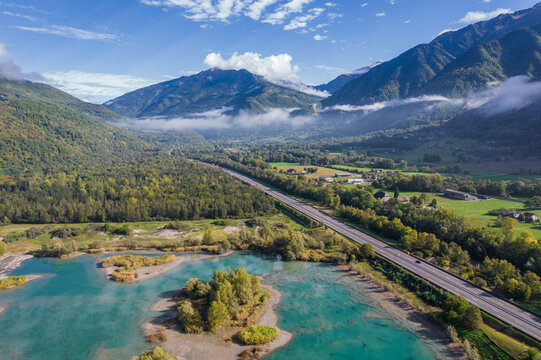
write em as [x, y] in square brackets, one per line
[380, 14]
[318, 37]
[273, 68]
[219, 119]
[95, 87]
[476, 16]
[277, 69]
[69, 32]
[11, 71]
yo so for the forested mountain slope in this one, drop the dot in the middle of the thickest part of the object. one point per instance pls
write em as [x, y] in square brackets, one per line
[42, 126]
[231, 90]
[409, 72]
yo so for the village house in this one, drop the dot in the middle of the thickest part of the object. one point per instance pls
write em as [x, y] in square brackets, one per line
[326, 179]
[459, 195]
[530, 217]
[403, 198]
[343, 175]
[356, 181]
[291, 171]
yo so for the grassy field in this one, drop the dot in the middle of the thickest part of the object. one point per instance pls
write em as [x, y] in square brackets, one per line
[476, 212]
[321, 171]
[16, 241]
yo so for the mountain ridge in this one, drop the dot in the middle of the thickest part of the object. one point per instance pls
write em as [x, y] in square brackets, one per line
[209, 90]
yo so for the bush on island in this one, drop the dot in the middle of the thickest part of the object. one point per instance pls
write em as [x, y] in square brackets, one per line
[257, 335]
[156, 354]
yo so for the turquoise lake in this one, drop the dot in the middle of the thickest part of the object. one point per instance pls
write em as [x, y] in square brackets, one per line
[74, 312]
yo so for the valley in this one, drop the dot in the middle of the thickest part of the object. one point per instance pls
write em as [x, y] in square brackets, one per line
[246, 205]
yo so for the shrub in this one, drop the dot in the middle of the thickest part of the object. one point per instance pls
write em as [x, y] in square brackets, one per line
[132, 262]
[156, 354]
[123, 276]
[12, 281]
[2, 248]
[257, 335]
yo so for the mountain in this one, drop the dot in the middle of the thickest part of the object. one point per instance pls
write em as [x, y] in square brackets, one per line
[334, 85]
[233, 90]
[517, 53]
[42, 126]
[13, 90]
[410, 71]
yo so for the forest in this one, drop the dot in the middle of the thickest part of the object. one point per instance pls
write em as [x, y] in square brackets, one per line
[158, 188]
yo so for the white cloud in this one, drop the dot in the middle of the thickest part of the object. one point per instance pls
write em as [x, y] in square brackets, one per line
[330, 4]
[257, 7]
[273, 67]
[364, 4]
[225, 10]
[318, 37]
[95, 87]
[27, 17]
[447, 30]
[380, 14]
[476, 16]
[219, 119]
[11, 71]
[302, 21]
[280, 14]
[512, 95]
[69, 32]
[407, 21]
[277, 69]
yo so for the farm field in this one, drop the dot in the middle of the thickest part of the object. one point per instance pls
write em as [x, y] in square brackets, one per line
[476, 212]
[321, 171]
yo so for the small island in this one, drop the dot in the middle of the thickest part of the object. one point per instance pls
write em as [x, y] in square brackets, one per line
[227, 317]
[129, 268]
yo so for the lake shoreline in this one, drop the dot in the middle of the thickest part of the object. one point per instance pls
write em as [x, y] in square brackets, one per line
[411, 318]
[150, 272]
[10, 262]
[211, 346]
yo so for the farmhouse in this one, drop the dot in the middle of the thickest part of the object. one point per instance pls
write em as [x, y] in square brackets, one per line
[405, 199]
[326, 179]
[343, 175]
[530, 217]
[291, 171]
[459, 195]
[356, 181]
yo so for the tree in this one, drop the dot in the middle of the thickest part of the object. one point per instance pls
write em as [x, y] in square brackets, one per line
[2, 248]
[366, 251]
[208, 236]
[217, 314]
[472, 318]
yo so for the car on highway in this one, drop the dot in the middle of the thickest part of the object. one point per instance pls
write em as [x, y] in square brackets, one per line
[417, 261]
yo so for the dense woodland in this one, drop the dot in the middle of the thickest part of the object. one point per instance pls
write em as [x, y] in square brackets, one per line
[511, 264]
[160, 188]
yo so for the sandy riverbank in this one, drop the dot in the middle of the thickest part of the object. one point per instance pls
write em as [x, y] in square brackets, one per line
[209, 346]
[149, 272]
[10, 262]
[434, 334]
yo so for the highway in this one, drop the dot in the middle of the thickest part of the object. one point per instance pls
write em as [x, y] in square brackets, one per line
[501, 309]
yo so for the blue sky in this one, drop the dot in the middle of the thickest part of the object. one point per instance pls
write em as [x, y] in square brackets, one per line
[99, 49]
